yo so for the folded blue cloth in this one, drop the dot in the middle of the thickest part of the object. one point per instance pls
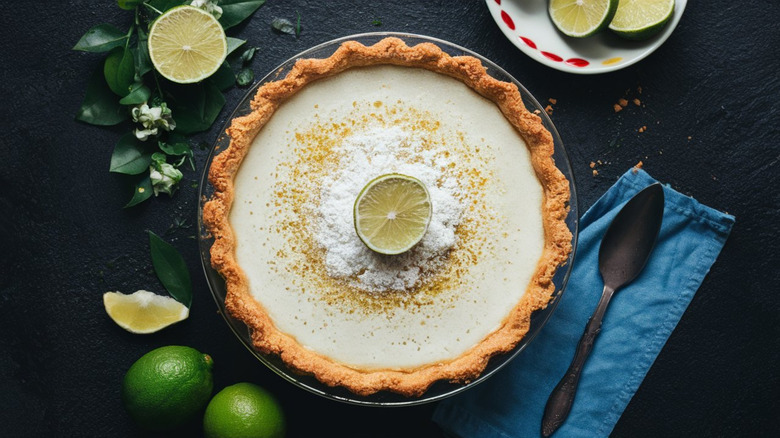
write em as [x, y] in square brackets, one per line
[640, 318]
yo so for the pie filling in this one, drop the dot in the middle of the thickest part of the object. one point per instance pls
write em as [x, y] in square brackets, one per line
[298, 275]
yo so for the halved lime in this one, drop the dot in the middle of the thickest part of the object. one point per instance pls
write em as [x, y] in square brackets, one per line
[143, 311]
[187, 44]
[582, 18]
[392, 213]
[641, 19]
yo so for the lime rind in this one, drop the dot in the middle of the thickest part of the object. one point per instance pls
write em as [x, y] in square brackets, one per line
[582, 18]
[392, 213]
[641, 19]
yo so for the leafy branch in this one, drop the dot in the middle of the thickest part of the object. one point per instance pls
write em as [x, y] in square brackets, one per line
[126, 88]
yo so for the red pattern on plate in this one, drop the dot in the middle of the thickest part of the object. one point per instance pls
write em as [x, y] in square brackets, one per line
[508, 20]
[551, 56]
[528, 42]
[577, 62]
[574, 62]
[498, 1]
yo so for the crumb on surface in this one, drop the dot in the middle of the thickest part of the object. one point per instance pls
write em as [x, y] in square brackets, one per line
[617, 108]
[637, 166]
[643, 129]
[548, 109]
[595, 172]
[637, 102]
[552, 101]
[623, 102]
[592, 164]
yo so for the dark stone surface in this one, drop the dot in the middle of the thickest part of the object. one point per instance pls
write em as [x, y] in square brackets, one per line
[710, 103]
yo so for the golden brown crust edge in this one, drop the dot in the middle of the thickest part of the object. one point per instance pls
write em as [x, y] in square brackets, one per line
[468, 70]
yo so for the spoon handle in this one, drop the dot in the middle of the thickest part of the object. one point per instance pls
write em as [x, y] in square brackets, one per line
[562, 397]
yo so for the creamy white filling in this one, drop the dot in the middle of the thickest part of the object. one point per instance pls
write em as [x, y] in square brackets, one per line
[459, 317]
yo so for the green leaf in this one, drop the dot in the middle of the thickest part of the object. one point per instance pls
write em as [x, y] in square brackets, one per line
[224, 77]
[236, 11]
[139, 93]
[171, 269]
[177, 145]
[101, 38]
[283, 25]
[245, 77]
[141, 192]
[100, 106]
[233, 44]
[130, 156]
[248, 54]
[129, 5]
[143, 63]
[194, 106]
[119, 70]
[177, 149]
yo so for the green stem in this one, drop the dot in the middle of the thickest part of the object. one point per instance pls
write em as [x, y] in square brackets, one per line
[129, 34]
[159, 12]
[157, 82]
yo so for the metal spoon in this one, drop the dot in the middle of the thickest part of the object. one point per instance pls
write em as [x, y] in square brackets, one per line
[624, 250]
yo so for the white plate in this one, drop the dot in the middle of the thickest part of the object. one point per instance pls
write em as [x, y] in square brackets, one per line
[527, 25]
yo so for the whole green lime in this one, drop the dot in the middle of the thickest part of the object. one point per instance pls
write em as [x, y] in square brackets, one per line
[243, 410]
[167, 386]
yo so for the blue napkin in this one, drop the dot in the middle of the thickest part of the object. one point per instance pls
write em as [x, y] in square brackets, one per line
[640, 318]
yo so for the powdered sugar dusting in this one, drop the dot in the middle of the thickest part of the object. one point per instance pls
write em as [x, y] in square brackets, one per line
[362, 157]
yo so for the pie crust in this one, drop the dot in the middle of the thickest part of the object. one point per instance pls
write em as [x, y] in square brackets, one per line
[267, 338]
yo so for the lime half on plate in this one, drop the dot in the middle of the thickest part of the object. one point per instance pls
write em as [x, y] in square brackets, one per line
[582, 18]
[641, 19]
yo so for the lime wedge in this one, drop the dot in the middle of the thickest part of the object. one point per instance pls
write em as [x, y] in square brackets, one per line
[641, 19]
[187, 44]
[142, 311]
[581, 18]
[392, 213]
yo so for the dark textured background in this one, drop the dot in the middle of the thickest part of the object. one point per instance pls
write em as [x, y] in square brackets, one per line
[710, 97]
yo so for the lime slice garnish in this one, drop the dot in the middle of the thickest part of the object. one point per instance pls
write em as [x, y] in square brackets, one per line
[641, 19]
[142, 311]
[392, 213]
[581, 18]
[187, 44]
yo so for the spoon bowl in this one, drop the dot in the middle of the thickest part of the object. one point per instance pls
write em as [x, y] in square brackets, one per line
[630, 238]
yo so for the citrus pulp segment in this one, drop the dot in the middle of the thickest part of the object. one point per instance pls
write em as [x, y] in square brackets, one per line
[581, 18]
[187, 44]
[641, 19]
[143, 312]
[392, 213]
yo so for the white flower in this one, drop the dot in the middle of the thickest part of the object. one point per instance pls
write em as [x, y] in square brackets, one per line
[208, 6]
[165, 177]
[152, 119]
[143, 134]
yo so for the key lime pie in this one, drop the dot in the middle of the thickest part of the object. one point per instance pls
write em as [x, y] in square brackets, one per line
[283, 217]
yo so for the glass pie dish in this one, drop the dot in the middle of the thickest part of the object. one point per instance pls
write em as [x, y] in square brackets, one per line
[439, 389]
